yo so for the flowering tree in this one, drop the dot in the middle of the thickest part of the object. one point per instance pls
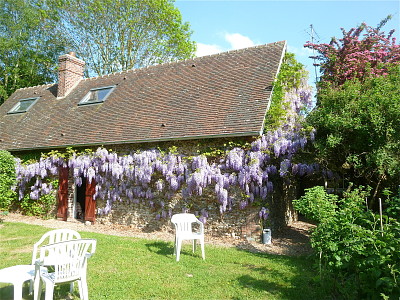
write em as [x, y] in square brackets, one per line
[363, 51]
[358, 108]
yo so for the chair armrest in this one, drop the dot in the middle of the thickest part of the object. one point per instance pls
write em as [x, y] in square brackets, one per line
[201, 226]
[35, 253]
[39, 262]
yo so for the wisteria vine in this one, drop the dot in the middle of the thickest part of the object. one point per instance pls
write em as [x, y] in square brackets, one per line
[150, 175]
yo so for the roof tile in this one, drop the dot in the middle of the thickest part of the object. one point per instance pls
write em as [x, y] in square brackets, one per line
[213, 96]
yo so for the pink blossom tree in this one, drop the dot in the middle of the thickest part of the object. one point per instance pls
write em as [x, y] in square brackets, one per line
[363, 51]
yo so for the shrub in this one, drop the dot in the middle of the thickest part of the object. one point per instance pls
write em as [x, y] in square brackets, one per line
[7, 179]
[354, 250]
[43, 207]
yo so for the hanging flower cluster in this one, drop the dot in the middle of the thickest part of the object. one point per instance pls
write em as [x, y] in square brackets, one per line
[33, 176]
[148, 176]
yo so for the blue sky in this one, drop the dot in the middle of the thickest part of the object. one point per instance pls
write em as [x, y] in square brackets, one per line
[222, 25]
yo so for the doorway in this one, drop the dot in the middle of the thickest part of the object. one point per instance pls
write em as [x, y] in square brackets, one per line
[80, 200]
[84, 204]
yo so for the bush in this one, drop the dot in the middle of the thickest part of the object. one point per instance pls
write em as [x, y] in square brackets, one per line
[43, 207]
[354, 251]
[7, 180]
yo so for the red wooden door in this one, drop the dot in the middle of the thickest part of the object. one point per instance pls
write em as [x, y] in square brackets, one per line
[90, 203]
[62, 209]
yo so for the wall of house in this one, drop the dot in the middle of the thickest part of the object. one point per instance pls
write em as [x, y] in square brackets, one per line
[235, 223]
[239, 223]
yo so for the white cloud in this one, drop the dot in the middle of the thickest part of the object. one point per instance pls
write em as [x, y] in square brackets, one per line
[238, 41]
[300, 51]
[204, 49]
[235, 41]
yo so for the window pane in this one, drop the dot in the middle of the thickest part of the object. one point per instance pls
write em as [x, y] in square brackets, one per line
[92, 97]
[96, 95]
[101, 94]
[22, 105]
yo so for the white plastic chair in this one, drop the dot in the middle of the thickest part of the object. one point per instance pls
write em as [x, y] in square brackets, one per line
[183, 231]
[51, 237]
[70, 266]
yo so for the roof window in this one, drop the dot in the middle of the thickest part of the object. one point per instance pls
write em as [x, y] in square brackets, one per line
[97, 95]
[23, 105]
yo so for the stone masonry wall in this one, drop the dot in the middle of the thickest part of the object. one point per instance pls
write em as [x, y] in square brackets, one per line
[243, 223]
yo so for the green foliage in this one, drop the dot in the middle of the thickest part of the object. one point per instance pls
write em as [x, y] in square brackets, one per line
[289, 77]
[8, 197]
[360, 256]
[316, 204]
[112, 36]
[7, 179]
[43, 207]
[358, 133]
[28, 48]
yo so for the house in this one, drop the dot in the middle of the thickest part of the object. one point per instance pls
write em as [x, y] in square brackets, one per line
[212, 98]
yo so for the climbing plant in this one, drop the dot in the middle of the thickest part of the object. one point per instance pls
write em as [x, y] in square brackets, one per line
[147, 176]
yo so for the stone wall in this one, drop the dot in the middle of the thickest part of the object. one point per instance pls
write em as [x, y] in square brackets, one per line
[240, 223]
[235, 223]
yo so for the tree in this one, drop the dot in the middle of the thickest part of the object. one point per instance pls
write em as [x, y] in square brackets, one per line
[27, 51]
[112, 36]
[358, 129]
[357, 55]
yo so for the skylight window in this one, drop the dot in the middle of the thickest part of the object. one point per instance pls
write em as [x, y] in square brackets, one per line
[23, 105]
[97, 95]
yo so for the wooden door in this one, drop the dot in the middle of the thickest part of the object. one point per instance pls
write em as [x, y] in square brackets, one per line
[62, 208]
[90, 203]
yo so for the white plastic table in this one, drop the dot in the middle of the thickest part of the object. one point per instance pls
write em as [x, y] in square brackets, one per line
[17, 275]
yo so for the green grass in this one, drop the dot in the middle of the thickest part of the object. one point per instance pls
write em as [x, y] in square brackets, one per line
[132, 268]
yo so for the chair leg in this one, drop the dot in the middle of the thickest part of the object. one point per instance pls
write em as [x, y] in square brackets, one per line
[37, 289]
[194, 245]
[71, 287]
[202, 249]
[49, 291]
[175, 246]
[83, 288]
[18, 291]
[178, 249]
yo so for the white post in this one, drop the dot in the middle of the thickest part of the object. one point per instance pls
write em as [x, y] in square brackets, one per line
[380, 213]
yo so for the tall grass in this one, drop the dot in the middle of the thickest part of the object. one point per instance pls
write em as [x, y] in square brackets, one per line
[132, 268]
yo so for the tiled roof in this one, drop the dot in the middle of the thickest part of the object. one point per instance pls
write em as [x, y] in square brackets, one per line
[220, 95]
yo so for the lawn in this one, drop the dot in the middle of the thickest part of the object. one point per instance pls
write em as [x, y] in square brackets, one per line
[133, 268]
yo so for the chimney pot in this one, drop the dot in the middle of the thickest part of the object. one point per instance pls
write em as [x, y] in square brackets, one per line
[72, 53]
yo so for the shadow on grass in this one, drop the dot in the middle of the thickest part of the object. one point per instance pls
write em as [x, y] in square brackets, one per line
[7, 292]
[167, 249]
[300, 286]
[248, 281]
[161, 248]
[61, 292]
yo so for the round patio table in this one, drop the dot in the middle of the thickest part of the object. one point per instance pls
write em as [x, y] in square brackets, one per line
[17, 275]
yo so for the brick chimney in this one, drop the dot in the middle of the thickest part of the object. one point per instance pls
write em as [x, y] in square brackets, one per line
[70, 72]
